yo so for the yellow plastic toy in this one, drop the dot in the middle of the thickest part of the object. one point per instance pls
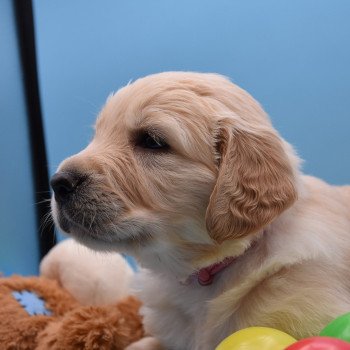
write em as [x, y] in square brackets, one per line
[257, 338]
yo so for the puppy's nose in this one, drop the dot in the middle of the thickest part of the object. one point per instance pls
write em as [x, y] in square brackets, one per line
[64, 184]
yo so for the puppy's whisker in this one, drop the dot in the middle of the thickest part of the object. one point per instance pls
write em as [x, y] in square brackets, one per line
[83, 220]
[47, 219]
[92, 220]
[48, 200]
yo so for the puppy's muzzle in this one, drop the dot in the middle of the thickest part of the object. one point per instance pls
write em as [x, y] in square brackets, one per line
[64, 184]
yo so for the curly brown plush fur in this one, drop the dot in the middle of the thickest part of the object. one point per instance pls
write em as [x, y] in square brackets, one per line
[95, 327]
[19, 330]
[71, 326]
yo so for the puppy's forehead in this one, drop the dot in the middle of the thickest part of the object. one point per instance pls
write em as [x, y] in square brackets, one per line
[193, 99]
[168, 101]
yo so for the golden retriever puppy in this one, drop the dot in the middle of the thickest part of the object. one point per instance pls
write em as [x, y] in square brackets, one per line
[186, 173]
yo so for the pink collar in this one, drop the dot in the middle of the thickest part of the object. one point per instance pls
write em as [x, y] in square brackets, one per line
[205, 276]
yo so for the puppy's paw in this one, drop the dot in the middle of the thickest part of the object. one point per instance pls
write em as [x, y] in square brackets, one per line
[147, 343]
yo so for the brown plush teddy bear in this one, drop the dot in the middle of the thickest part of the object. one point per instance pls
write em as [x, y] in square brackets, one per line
[39, 313]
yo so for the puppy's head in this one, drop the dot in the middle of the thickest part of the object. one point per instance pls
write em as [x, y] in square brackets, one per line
[185, 159]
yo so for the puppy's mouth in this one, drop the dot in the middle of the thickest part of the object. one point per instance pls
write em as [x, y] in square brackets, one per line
[71, 227]
[123, 234]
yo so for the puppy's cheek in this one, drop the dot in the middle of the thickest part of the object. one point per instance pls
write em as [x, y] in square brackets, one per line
[58, 219]
[54, 210]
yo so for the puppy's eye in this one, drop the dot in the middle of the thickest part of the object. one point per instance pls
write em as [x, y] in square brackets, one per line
[152, 142]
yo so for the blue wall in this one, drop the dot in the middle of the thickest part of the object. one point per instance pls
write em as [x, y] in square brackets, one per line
[18, 247]
[293, 56]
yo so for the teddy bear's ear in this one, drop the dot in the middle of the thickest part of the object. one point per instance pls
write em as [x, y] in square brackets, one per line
[255, 182]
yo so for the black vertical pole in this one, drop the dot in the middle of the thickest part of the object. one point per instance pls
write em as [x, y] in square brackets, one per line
[26, 39]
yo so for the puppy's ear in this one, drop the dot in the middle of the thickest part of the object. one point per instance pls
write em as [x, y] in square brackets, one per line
[255, 182]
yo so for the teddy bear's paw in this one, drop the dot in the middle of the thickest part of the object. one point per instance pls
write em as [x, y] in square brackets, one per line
[94, 328]
[147, 343]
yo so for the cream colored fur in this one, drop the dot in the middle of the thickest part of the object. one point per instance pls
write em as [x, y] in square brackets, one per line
[227, 180]
[91, 277]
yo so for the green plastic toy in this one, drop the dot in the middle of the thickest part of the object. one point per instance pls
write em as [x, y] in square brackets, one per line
[338, 328]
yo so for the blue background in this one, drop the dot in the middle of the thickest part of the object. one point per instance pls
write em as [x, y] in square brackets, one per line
[292, 56]
[18, 232]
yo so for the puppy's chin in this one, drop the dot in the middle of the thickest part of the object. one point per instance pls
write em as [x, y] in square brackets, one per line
[93, 242]
[122, 236]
